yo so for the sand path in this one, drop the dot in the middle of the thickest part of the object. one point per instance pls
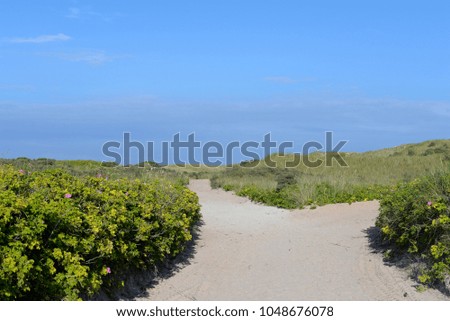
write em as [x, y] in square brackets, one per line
[247, 251]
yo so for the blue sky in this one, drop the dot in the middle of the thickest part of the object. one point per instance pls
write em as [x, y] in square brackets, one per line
[75, 74]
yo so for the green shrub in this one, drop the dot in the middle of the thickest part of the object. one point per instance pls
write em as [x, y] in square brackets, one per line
[214, 182]
[325, 193]
[249, 163]
[110, 164]
[284, 198]
[415, 218]
[292, 195]
[227, 187]
[285, 178]
[65, 237]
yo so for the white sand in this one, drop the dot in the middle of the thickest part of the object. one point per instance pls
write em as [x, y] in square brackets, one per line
[248, 251]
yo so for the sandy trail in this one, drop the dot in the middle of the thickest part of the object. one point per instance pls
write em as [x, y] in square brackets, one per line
[248, 251]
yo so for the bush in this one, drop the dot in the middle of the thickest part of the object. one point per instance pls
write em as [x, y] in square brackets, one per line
[284, 198]
[325, 193]
[65, 237]
[415, 218]
[284, 179]
[290, 195]
[214, 182]
[110, 164]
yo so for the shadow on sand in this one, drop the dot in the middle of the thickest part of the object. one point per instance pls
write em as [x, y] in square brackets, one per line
[138, 283]
[400, 259]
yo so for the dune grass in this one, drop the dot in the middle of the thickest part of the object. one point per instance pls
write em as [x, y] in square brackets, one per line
[84, 168]
[367, 176]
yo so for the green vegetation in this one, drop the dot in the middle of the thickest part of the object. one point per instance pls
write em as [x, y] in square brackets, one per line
[368, 176]
[71, 228]
[68, 229]
[415, 218]
[146, 172]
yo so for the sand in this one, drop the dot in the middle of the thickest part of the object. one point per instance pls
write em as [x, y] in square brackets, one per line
[247, 251]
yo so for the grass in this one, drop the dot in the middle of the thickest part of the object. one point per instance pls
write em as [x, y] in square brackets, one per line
[367, 176]
[84, 168]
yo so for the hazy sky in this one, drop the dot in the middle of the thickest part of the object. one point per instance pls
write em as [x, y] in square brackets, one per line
[75, 74]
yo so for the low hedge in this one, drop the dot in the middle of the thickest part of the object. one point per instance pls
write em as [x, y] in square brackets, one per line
[415, 217]
[64, 237]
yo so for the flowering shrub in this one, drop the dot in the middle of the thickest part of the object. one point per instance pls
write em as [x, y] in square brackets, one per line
[416, 218]
[64, 237]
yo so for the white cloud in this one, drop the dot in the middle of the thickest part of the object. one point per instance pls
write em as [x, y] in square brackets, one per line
[42, 39]
[280, 79]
